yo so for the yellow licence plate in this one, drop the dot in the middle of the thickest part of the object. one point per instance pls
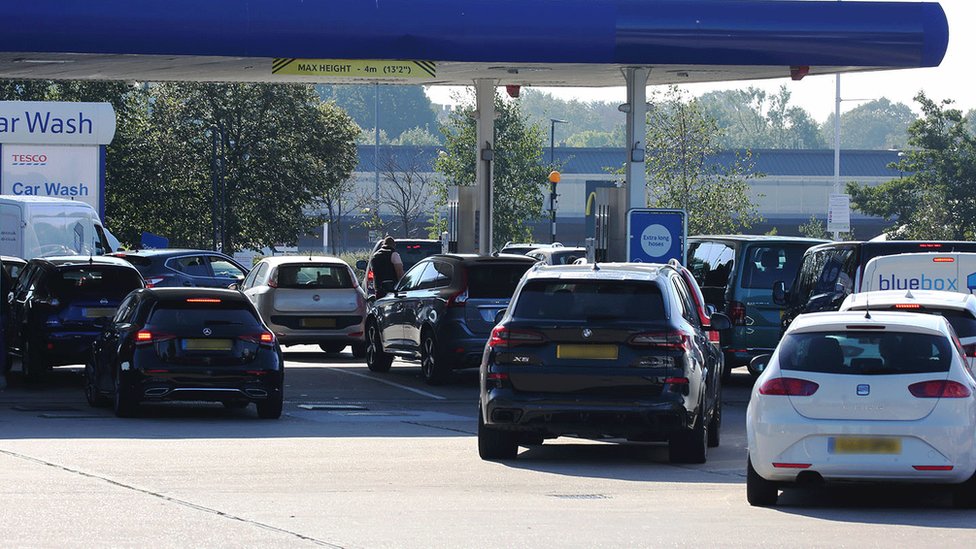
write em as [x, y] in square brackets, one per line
[864, 445]
[591, 352]
[94, 312]
[318, 323]
[208, 344]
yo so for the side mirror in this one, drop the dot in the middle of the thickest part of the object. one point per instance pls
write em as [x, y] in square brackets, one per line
[499, 315]
[720, 322]
[758, 364]
[362, 265]
[387, 286]
[780, 296]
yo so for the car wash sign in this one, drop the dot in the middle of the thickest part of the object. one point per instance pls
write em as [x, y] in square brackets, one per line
[55, 149]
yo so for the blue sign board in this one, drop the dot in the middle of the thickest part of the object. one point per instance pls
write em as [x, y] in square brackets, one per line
[153, 241]
[656, 235]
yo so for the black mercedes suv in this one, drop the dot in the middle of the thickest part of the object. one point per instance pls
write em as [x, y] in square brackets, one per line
[57, 306]
[602, 351]
[441, 312]
[192, 344]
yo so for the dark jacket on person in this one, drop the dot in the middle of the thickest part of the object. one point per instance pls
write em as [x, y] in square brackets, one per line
[383, 269]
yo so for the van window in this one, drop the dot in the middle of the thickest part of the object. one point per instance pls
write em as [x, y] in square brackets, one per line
[766, 264]
[711, 264]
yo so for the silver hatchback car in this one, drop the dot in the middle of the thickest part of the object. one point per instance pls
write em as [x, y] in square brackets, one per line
[309, 300]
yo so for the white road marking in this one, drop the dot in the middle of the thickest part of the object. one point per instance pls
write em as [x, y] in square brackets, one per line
[404, 387]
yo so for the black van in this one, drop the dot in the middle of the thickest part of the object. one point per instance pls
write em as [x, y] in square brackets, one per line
[830, 272]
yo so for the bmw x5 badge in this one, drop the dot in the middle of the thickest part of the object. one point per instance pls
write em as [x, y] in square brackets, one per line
[863, 390]
[587, 332]
[207, 331]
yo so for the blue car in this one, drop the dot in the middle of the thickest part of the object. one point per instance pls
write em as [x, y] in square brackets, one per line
[176, 268]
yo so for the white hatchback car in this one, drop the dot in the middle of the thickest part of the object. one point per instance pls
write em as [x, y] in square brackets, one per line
[309, 299]
[958, 308]
[849, 397]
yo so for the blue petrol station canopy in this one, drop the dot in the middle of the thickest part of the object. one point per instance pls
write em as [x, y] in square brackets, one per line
[530, 42]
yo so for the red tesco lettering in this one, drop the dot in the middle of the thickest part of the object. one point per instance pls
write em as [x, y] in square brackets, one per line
[29, 157]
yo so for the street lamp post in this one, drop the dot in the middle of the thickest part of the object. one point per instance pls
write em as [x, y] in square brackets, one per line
[553, 177]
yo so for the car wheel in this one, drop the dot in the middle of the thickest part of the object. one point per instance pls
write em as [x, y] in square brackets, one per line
[124, 404]
[494, 444]
[715, 425]
[271, 407]
[759, 491]
[376, 359]
[95, 398]
[690, 446]
[332, 348]
[359, 350]
[432, 363]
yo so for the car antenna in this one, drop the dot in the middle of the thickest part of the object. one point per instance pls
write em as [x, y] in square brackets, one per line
[908, 295]
[595, 266]
[867, 306]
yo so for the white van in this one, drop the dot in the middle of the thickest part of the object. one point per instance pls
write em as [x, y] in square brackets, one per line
[951, 272]
[35, 226]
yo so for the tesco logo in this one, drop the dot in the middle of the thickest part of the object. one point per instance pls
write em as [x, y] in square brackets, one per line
[29, 159]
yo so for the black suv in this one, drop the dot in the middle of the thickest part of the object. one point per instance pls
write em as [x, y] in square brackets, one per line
[168, 344]
[168, 268]
[602, 351]
[441, 312]
[58, 305]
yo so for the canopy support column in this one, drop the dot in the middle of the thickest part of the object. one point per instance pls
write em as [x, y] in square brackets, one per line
[485, 132]
[636, 110]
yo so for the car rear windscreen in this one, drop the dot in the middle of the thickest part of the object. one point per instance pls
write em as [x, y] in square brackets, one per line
[411, 254]
[183, 315]
[495, 281]
[865, 353]
[95, 281]
[589, 300]
[314, 276]
[767, 263]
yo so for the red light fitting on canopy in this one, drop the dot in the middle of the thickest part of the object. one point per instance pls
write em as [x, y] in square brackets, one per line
[797, 72]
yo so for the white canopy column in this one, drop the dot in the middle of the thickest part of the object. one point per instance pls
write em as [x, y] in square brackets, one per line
[485, 132]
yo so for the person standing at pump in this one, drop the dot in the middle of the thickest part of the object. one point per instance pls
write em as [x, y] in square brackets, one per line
[386, 265]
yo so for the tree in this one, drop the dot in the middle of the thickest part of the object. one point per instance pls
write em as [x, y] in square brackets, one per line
[519, 170]
[935, 198]
[401, 108]
[878, 124]
[681, 139]
[406, 192]
[595, 138]
[754, 118]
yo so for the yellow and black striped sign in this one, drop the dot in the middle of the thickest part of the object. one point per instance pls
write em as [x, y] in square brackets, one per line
[354, 68]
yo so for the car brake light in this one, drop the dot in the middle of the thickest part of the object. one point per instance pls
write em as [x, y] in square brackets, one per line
[714, 337]
[908, 306]
[458, 299]
[369, 275]
[263, 338]
[943, 259]
[737, 313]
[781, 465]
[788, 386]
[152, 281]
[939, 388]
[148, 336]
[970, 350]
[504, 337]
[202, 300]
[671, 341]
[930, 245]
[497, 376]
[932, 467]
[676, 381]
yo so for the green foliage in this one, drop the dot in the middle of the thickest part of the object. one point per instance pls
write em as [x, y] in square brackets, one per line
[420, 137]
[594, 124]
[681, 137]
[751, 118]
[878, 124]
[814, 228]
[595, 138]
[935, 198]
[519, 170]
[401, 108]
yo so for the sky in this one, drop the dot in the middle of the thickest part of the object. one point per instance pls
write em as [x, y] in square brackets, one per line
[950, 80]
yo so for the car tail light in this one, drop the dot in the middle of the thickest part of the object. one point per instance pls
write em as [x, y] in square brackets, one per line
[152, 281]
[788, 386]
[458, 299]
[504, 337]
[943, 260]
[781, 465]
[203, 300]
[497, 376]
[932, 467]
[930, 245]
[263, 338]
[144, 337]
[970, 350]
[939, 388]
[908, 306]
[671, 341]
[737, 313]
[714, 337]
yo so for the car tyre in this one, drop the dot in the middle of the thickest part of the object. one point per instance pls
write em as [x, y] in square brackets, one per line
[715, 425]
[759, 491]
[432, 363]
[494, 444]
[359, 350]
[94, 397]
[124, 405]
[964, 495]
[690, 446]
[376, 359]
[271, 407]
[332, 348]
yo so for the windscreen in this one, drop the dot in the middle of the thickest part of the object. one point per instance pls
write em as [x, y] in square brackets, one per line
[192, 316]
[767, 263]
[410, 254]
[961, 321]
[589, 300]
[95, 281]
[865, 353]
[497, 281]
[314, 276]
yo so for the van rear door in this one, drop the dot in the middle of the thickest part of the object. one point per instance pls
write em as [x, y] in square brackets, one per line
[920, 271]
[11, 230]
